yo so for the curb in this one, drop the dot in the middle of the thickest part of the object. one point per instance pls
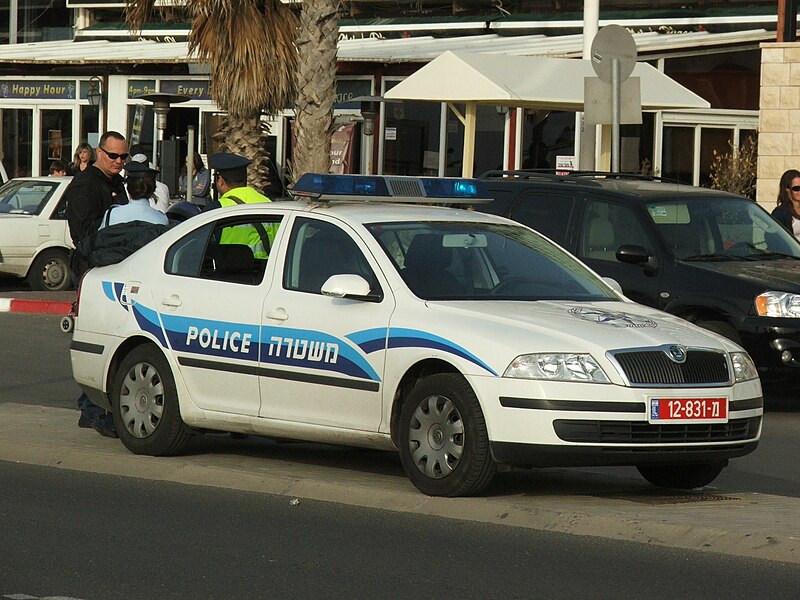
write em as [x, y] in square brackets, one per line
[35, 306]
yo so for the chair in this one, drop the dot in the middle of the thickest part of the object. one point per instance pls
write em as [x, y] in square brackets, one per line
[325, 254]
[600, 239]
[426, 264]
[235, 262]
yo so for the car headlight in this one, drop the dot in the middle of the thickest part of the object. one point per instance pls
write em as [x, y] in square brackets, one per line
[744, 369]
[778, 304]
[556, 367]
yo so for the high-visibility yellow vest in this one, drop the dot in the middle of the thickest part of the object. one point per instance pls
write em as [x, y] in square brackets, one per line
[248, 235]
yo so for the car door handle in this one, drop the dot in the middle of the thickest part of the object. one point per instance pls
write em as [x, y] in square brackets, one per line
[173, 300]
[279, 314]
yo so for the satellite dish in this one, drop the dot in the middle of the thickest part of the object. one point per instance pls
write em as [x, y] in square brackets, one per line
[613, 41]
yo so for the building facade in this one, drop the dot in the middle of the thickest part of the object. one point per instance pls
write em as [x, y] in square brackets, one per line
[57, 94]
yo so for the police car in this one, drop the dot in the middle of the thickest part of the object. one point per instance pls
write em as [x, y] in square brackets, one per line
[461, 340]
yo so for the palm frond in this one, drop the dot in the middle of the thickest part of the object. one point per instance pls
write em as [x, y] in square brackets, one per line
[249, 45]
[137, 13]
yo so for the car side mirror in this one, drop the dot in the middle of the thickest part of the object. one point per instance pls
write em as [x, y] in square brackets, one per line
[633, 254]
[349, 286]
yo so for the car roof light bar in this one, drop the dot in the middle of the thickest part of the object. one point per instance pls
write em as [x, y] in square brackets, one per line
[324, 187]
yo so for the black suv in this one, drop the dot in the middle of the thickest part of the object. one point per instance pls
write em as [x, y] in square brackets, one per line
[714, 258]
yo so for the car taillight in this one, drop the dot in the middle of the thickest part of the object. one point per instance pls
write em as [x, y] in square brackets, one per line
[77, 296]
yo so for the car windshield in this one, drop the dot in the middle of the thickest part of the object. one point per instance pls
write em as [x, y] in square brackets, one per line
[25, 197]
[484, 261]
[721, 229]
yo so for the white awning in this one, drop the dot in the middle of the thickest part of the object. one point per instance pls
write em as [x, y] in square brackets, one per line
[418, 49]
[528, 81]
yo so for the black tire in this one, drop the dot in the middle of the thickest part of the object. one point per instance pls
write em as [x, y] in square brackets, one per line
[144, 403]
[723, 328]
[444, 446]
[50, 271]
[681, 477]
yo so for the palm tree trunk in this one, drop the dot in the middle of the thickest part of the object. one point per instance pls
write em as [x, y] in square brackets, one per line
[248, 137]
[316, 87]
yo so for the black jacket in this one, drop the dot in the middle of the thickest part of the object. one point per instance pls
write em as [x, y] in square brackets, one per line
[782, 215]
[112, 244]
[88, 197]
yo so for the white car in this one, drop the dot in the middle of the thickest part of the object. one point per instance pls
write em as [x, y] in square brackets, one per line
[460, 339]
[34, 236]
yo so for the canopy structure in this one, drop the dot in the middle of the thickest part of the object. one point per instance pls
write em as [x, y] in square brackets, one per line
[535, 82]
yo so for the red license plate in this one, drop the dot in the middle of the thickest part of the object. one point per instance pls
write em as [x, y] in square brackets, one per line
[688, 409]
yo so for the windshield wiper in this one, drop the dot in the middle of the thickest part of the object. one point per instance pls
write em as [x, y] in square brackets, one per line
[774, 256]
[715, 256]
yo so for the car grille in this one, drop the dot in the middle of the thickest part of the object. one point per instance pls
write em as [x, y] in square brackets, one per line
[639, 432]
[654, 367]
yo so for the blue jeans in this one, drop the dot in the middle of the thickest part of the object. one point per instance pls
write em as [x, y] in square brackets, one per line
[91, 411]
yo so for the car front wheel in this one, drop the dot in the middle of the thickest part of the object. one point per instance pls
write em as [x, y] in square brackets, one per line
[144, 404]
[681, 477]
[444, 446]
[50, 271]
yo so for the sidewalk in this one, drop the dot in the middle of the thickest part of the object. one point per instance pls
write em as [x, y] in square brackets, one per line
[574, 501]
[53, 303]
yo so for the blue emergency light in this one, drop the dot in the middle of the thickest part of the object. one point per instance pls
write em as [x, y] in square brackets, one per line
[391, 188]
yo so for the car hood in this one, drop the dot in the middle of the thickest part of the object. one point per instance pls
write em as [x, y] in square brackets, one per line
[565, 326]
[780, 274]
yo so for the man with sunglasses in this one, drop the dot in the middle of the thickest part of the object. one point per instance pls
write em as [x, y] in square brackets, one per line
[89, 195]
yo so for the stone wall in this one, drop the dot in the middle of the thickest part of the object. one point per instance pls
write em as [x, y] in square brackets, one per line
[779, 118]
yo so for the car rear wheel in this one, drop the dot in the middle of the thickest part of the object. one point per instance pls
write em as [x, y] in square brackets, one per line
[681, 477]
[444, 446]
[144, 404]
[50, 271]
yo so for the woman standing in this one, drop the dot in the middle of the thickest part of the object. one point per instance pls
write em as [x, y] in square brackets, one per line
[787, 213]
[201, 181]
[84, 156]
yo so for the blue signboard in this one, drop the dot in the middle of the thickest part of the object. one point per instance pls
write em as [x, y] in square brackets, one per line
[196, 89]
[30, 89]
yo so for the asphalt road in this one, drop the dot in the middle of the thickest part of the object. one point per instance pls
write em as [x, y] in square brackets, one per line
[78, 535]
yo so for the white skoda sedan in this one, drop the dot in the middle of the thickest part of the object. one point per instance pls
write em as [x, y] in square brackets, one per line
[460, 339]
[34, 237]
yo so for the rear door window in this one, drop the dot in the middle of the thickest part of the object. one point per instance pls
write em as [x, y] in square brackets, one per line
[549, 213]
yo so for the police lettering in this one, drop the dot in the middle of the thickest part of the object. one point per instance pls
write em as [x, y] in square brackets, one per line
[304, 349]
[235, 340]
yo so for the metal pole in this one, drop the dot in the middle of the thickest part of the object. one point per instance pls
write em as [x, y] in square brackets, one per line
[615, 115]
[189, 163]
[13, 24]
[585, 135]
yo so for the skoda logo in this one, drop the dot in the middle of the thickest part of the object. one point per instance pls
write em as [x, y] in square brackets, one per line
[677, 354]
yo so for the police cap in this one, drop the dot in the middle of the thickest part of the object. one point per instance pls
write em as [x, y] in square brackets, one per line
[227, 161]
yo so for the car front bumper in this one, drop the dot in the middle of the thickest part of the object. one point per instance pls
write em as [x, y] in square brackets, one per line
[537, 423]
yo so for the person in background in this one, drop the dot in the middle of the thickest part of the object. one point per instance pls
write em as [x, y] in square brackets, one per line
[140, 182]
[84, 156]
[88, 196]
[58, 168]
[787, 213]
[201, 182]
[160, 198]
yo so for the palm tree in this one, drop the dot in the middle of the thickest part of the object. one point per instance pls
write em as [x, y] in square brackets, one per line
[262, 60]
